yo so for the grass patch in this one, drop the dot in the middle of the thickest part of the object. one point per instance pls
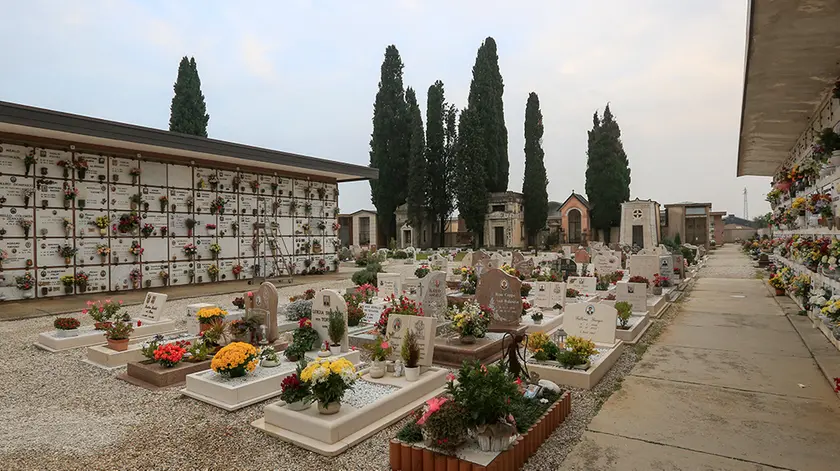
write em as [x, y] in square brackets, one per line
[422, 256]
[460, 256]
[759, 274]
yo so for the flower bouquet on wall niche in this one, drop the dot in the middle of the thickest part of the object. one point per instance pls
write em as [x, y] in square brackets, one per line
[213, 180]
[25, 224]
[237, 270]
[102, 223]
[4, 255]
[135, 174]
[213, 272]
[235, 360]
[217, 206]
[164, 202]
[215, 249]
[255, 185]
[25, 283]
[81, 165]
[70, 194]
[68, 281]
[135, 249]
[135, 276]
[28, 161]
[190, 223]
[128, 223]
[65, 165]
[190, 250]
[68, 252]
[147, 230]
[27, 195]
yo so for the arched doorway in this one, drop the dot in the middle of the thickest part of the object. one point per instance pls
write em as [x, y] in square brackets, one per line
[574, 226]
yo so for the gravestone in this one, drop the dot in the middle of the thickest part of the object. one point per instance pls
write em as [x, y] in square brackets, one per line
[433, 294]
[373, 311]
[517, 258]
[606, 262]
[526, 267]
[584, 284]
[548, 294]
[423, 327]
[502, 293]
[389, 284]
[152, 307]
[666, 266]
[325, 301]
[582, 256]
[496, 261]
[480, 256]
[644, 265]
[193, 326]
[412, 288]
[568, 267]
[633, 293]
[266, 298]
[591, 321]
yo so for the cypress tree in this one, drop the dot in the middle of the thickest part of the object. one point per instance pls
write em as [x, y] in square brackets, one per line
[485, 100]
[417, 174]
[441, 133]
[535, 183]
[389, 143]
[607, 173]
[471, 175]
[188, 112]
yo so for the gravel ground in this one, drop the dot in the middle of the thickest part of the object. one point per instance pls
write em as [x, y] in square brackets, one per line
[62, 414]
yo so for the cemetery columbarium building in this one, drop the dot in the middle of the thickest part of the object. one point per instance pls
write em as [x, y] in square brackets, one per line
[92, 205]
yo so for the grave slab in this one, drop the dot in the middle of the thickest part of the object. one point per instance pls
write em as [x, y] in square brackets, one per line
[552, 371]
[103, 357]
[232, 394]
[331, 435]
[153, 376]
[450, 351]
[88, 337]
[638, 326]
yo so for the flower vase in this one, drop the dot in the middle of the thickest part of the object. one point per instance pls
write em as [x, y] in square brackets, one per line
[495, 437]
[329, 409]
[467, 339]
[81, 204]
[27, 168]
[82, 172]
[25, 201]
[103, 231]
[26, 232]
[297, 405]
[82, 288]
[270, 363]
[335, 350]
[163, 207]
[134, 179]
[412, 374]
[27, 294]
[68, 289]
[44, 204]
[67, 260]
[377, 369]
[66, 172]
[66, 204]
[657, 291]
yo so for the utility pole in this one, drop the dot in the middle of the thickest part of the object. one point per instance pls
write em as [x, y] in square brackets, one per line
[746, 207]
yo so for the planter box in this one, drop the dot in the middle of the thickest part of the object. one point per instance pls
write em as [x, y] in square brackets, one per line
[151, 375]
[89, 337]
[330, 435]
[231, 394]
[579, 378]
[107, 359]
[638, 326]
[408, 457]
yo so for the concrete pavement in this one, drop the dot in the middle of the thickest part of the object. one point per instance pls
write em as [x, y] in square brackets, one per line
[729, 385]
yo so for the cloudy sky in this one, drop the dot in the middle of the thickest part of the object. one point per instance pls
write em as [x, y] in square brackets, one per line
[301, 76]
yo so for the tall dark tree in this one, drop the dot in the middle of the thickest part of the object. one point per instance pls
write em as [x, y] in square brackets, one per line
[389, 143]
[535, 183]
[417, 185]
[471, 175]
[440, 142]
[188, 112]
[485, 100]
[607, 173]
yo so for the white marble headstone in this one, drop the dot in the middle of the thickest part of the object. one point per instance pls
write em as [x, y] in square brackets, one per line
[593, 321]
[325, 301]
[152, 307]
[584, 284]
[423, 327]
[433, 294]
[644, 265]
[666, 266]
[633, 293]
[389, 284]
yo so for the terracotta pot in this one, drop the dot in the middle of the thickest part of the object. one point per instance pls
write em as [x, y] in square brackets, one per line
[118, 345]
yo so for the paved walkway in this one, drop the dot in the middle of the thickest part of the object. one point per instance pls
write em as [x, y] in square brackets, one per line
[729, 385]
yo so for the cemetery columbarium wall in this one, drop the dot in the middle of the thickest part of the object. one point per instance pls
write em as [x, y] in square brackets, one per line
[165, 194]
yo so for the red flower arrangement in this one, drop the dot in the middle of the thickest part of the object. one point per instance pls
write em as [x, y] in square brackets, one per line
[639, 279]
[170, 354]
[293, 389]
[304, 322]
[309, 294]
[66, 323]
[237, 269]
[400, 306]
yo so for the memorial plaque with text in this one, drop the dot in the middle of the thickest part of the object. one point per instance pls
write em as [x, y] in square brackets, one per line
[592, 321]
[389, 284]
[424, 329]
[502, 293]
[325, 301]
[49, 281]
[11, 159]
[633, 293]
[14, 188]
[19, 251]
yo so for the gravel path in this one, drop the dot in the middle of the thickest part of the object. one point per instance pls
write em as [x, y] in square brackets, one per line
[62, 414]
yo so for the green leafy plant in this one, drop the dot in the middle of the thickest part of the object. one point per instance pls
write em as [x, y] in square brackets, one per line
[303, 340]
[410, 433]
[337, 326]
[380, 349]
[624, 312]
[443, 423]
[410, 351]
[119, 331]
[485, 392]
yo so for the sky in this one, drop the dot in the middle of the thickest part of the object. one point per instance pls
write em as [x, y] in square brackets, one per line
[301, 76]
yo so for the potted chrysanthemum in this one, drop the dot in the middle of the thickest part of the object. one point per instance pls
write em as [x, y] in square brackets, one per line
[329, 381]
[235, 359]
